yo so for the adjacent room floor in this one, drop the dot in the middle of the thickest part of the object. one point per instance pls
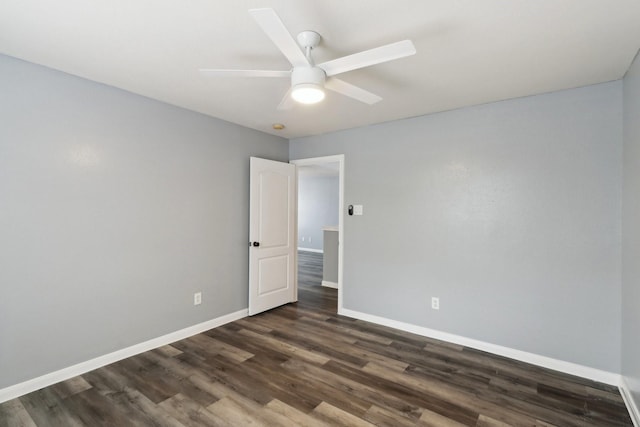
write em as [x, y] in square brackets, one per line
[303, 365]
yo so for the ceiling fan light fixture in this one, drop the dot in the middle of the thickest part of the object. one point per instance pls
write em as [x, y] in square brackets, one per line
[307, 93]
[307, 84]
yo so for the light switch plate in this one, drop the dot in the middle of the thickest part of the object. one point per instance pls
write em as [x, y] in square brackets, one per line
[357, 210]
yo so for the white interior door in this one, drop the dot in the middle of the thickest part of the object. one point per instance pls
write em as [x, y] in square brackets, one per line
[272, 217]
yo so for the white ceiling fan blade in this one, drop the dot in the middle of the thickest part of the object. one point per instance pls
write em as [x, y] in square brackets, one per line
[369, 57]
[244, 73]
[351, 91]
[271, 24]
[287, 101]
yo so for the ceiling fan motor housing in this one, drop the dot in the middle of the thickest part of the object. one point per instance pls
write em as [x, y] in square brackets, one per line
[308, 75]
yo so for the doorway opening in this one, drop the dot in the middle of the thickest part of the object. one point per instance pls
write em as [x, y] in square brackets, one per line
[320, 183]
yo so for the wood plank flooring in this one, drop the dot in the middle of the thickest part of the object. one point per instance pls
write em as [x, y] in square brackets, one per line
[310, 268]
[303, 365]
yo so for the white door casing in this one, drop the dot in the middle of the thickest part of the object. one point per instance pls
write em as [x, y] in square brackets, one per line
[272, 221]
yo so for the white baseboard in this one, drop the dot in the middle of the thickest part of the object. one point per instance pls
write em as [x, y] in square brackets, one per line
[535, 359]
[318, 251]
[51, 378]
[332, 285]
[634, 412]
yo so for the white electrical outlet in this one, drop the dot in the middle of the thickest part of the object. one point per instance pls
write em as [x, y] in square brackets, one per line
[197, 298]
[435, 303]
[309, 239]
[303, 238]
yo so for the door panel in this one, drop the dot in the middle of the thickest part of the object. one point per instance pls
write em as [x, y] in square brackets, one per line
[272, 235]
[274, 208]
[273, 274]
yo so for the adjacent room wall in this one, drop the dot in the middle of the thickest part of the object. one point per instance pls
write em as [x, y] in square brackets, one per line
[508, 212]
[114, 210]
[631, 233]
[317, 208]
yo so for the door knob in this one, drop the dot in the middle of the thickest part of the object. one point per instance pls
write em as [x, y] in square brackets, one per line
[256, 244]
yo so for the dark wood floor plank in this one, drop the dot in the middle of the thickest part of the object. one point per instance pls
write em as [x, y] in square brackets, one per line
[272, 342]
[14, 414]
[323, 341]
[408, 394]
[335, 416]
[214, 347]
[383, 331]
[271, 323]
[146, 377]
[47, 409]
[235, 414]
[140, 411]
[385, 418]
[314, 387]
[94, 409]
[373, 395]
[301, 364]
[328, 350]
[345, 334]
[189, 413]
[591, 408]
[485, 421]
[70, 387]
[489, 402]
[250, 325]
[433, 419]
[231, 335]
[314, 392]
[234, 376]
[315, 329]
[612, 398]
[313, 312]
[265, 414]
[445, 392]
[294, 416]
[183, 385]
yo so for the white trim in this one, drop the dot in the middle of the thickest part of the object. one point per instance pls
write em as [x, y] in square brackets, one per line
[51, 378]
[625, 392]
[332, 285]
[535, 359]
[331, 228]
[295, 239]
[318, 251]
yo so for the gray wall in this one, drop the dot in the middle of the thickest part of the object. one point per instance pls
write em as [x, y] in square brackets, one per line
[631, 233]
[509, 212]
[114, 210]
[330, 259]
[317, 208]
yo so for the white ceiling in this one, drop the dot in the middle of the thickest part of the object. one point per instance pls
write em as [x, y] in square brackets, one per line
[468, 51]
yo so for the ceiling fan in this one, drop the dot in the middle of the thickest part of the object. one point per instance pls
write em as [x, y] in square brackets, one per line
[308, 79]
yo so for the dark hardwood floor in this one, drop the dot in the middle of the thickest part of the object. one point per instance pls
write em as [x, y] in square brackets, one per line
[303, 365]
[310, 268]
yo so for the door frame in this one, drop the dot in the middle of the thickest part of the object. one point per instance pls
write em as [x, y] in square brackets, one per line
[338, 158]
